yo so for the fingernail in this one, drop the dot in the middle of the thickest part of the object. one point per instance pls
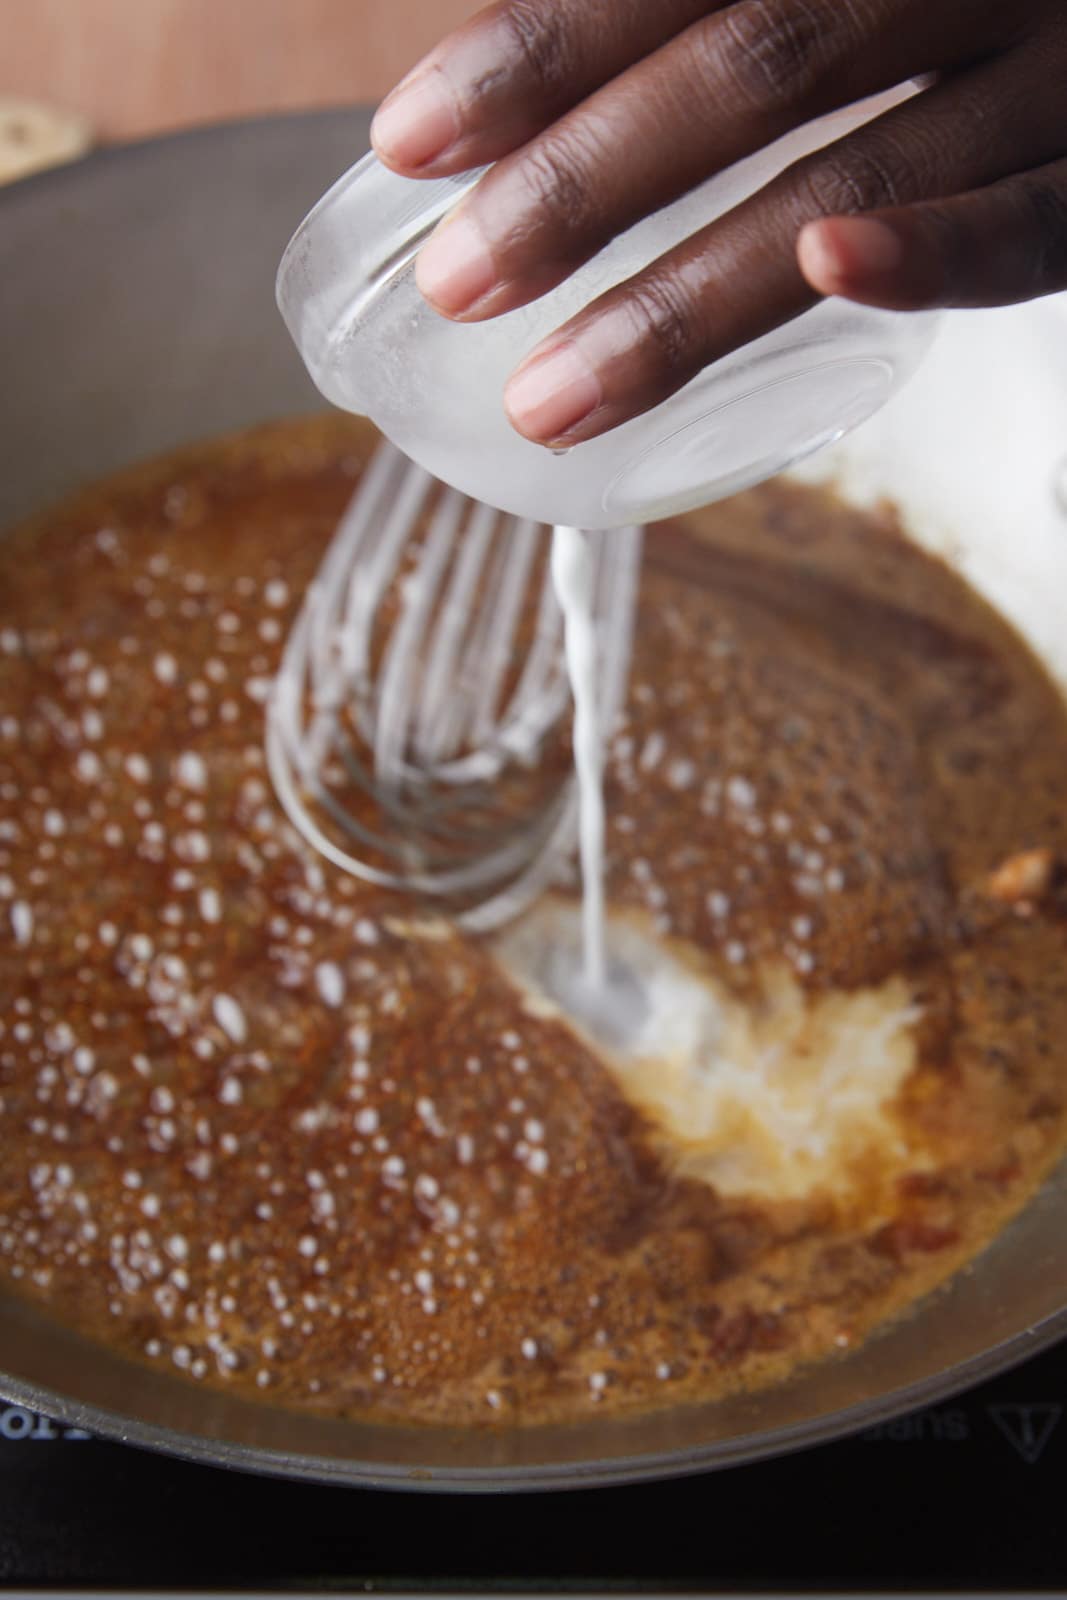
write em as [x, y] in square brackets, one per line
[417, 122]
[843, 250]
[455, 269]
[870, 247]
[552, 394]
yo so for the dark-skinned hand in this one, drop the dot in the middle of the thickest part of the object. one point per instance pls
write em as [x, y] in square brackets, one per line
[599, 112]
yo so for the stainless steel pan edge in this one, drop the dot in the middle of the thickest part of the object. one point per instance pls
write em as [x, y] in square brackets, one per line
[137, 313]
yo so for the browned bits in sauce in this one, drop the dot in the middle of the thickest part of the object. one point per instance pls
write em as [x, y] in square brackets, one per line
[256, 1132]
[1022, 877]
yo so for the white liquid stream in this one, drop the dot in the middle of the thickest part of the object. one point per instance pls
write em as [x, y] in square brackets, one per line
[573, 577]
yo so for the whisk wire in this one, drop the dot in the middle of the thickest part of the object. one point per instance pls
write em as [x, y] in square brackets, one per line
[434, 739]
[402, 661]
[490, 654]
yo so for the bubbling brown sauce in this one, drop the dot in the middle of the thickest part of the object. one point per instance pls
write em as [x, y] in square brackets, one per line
[271, 1130]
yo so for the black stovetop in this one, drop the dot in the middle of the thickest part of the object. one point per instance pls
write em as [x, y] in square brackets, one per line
[968, 1495]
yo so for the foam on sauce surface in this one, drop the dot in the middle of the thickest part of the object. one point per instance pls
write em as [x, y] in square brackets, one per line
[273, 1131]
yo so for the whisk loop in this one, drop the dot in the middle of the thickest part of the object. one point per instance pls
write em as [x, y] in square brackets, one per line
[422, 694]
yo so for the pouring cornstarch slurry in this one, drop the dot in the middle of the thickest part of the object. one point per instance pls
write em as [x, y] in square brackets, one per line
[572, 575]
[774, 1098]
[274, 1130]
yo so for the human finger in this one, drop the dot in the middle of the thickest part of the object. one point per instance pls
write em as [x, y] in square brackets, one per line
[511, 71]
[725, 87]
[994, 246]
[740, 277]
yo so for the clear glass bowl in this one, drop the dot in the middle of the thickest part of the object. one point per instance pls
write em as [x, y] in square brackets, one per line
[346, 288]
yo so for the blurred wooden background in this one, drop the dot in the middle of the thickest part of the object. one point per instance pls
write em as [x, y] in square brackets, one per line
[137, 66]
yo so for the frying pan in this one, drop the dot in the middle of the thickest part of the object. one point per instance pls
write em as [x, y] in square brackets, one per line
[137, 313]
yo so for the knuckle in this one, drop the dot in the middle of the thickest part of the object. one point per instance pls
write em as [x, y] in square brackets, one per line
[1044, 198]
[664, 323]
[949, 246]
[861, 176]
[538, 40]
[775, 53]
[556, 172]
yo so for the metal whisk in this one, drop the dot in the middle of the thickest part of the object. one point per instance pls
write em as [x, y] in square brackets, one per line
[416, 727]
